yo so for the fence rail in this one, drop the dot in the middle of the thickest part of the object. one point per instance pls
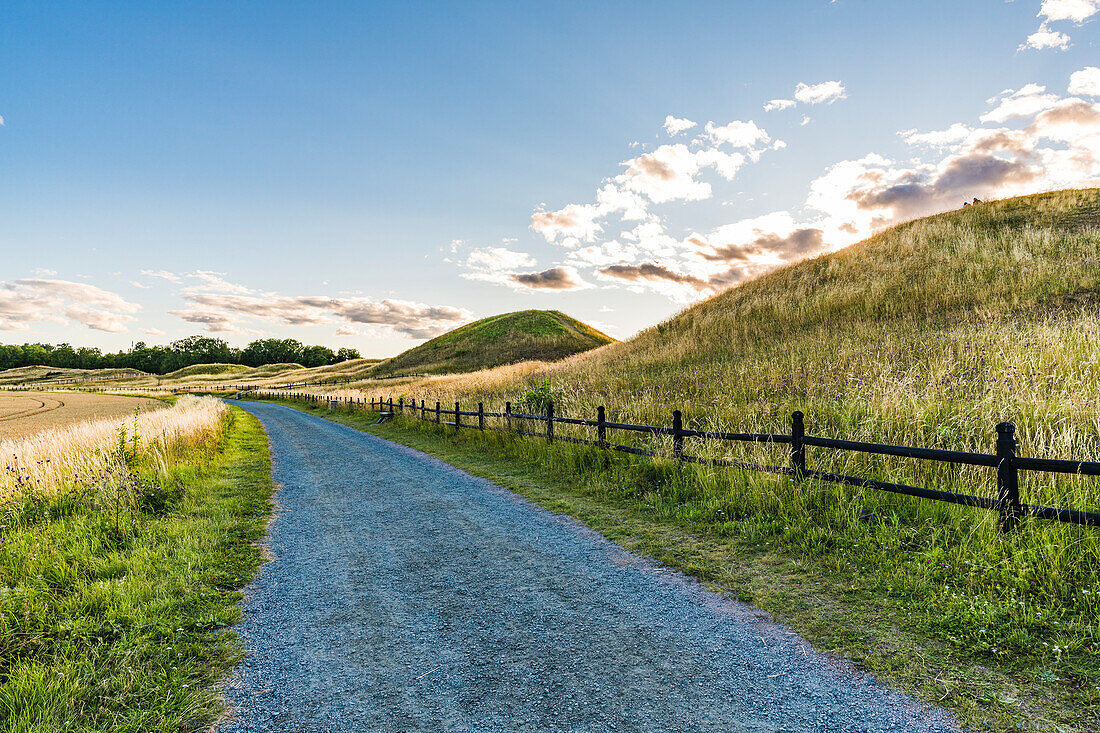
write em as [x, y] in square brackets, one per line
[1005, 459]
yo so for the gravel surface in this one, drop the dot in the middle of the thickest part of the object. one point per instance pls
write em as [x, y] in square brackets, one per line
[406, 595]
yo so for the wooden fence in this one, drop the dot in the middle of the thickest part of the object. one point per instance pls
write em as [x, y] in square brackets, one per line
[1005, 460]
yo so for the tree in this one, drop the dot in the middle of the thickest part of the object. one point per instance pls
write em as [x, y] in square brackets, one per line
[36, 355]
[271, 351]
[11, 356]
[315, 356]
[64, 356]
[346, 354]
[200, 350]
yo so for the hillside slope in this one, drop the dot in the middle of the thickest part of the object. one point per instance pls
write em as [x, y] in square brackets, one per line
[531, 335]
[1013, 261]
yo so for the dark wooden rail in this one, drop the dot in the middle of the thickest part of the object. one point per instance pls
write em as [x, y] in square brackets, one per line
[1005, 460]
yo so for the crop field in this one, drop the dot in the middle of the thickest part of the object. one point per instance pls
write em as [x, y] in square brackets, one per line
[26, 413]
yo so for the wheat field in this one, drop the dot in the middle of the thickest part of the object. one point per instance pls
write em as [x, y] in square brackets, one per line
[26, 413]
[56, 459]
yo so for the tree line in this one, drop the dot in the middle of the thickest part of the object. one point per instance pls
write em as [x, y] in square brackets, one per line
[176, 355]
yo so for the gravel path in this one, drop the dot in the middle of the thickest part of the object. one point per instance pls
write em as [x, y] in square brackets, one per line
[406, 595]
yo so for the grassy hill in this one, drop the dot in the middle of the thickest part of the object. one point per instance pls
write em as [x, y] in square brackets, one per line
[206, 369]
[531, 335]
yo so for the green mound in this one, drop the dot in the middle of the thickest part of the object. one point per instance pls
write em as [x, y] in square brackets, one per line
[532, 335]
[197, 369]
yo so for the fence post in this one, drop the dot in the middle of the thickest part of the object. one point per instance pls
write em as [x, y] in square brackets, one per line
[480, 416]
[1008, 479]
[601, 428]
[549, 421]
[677, 434]
[798, 448]
[437, 412]
[458, 417]
[401, 404]
[508, 415]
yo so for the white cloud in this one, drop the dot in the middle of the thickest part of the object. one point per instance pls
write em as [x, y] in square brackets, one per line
[1028, 101]
[505, 267]
[1085, 82]
[163, 274]
[1046, 38]
[576, 221]
[938, 138]
[43, 272]
[737, 134]
[676, 125]
[1077, 11]
[805, 121]
[498, 259]
[666, 174]
[778, 104]
[31, 300]
[826, 92]
[154, 332]
[222, 312]
[599, 255]
[213, 281]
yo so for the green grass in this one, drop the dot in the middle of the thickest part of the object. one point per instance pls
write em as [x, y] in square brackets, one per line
[116, 619]
[929, 597]
[531, 335]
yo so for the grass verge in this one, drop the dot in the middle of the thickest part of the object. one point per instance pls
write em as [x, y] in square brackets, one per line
[113, 617]
[864, 575]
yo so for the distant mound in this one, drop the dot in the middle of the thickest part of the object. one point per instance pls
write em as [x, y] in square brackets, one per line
[197, 369]
[33, 374]
[350, 370]
[270, 369]
[532, 335]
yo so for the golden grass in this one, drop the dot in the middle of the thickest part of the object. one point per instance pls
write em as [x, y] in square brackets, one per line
[26, 413]
[55, 459]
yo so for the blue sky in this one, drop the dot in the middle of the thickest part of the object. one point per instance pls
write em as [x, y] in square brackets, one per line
[369, 175]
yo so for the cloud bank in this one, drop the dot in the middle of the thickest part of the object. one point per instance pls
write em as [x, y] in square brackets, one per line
[37, 300]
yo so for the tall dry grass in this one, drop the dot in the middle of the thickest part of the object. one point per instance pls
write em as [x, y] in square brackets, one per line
[57, 459]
